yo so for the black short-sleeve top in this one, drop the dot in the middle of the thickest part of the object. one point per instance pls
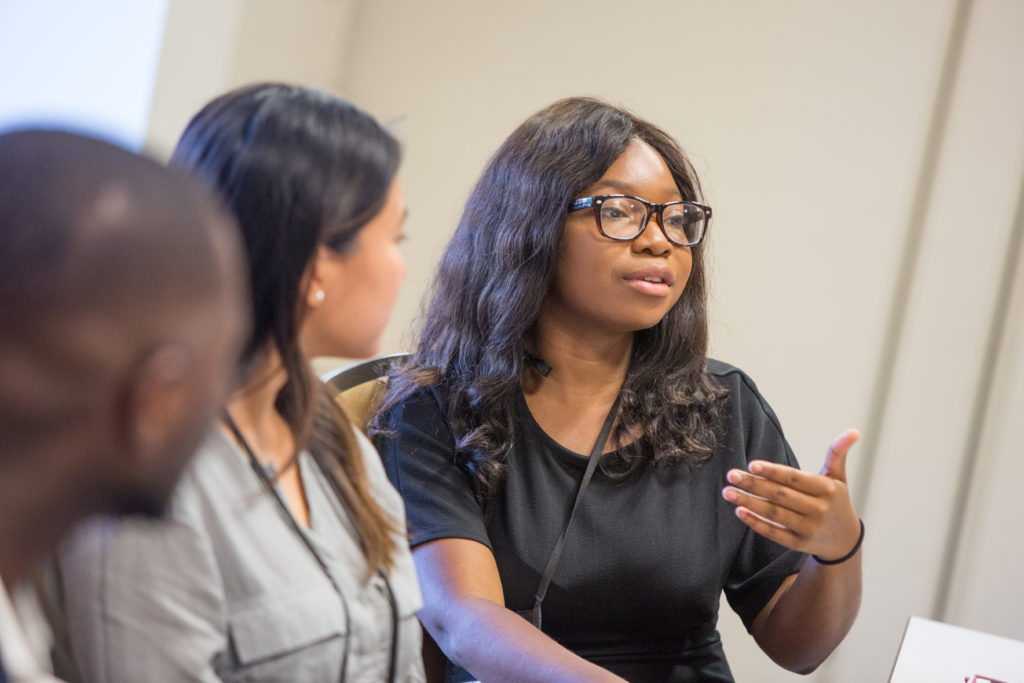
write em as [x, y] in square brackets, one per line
[648, 556]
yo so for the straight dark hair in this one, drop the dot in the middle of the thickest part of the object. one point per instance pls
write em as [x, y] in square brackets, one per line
[300, 169]
[476, 337]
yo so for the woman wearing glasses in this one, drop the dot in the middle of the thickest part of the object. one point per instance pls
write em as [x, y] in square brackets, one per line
[567, 451]
[284, 555]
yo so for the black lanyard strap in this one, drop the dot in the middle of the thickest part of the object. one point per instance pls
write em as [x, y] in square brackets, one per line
[388, 591]
[556, 552]
[261, 473]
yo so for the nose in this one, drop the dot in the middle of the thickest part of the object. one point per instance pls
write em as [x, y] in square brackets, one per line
[652, 240]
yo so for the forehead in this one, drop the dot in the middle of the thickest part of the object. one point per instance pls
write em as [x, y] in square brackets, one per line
[639, 171]
[392, 214]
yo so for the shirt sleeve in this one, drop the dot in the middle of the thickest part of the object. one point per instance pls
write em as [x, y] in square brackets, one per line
[761, 565]
[143, 601]
[402, 576]
[418, 450]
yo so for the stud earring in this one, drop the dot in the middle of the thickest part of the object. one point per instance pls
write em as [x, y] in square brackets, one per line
[319, 295]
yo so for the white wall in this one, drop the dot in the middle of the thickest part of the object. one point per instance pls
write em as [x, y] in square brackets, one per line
[212, 47]
[860, 239]
[85, 66]
[932, 441]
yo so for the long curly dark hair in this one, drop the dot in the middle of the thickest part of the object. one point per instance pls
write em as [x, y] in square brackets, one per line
[299, 168]
[476, 336]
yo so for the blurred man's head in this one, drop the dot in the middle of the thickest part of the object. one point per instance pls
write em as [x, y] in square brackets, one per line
[121, 313]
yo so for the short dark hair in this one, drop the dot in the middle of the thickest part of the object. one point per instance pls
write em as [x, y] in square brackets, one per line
[476, 335]
[299, 168]
[73, 206]
[92, 232]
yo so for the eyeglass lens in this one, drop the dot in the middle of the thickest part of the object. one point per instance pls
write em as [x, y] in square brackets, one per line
[623, 218]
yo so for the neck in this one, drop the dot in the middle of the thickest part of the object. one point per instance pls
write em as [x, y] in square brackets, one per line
[253, 410]
[586, 364]
[40, 502]
[16, 556]
[587, 370]
[20, 548]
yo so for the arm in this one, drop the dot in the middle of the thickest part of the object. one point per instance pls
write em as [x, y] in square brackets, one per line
[143, 602]
[812, 611]
[464, 611]
[463, 600]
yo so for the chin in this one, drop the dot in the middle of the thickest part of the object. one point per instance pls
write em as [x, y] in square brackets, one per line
[150, 496]
[641, 324]
[149, 504]
[369, 349]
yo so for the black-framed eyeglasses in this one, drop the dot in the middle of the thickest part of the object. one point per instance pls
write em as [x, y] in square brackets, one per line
[623, 217]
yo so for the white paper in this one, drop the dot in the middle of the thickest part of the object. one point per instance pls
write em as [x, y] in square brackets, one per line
[933, 652]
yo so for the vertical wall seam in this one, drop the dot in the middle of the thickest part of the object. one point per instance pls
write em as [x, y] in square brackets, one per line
[344, 76]
[910, 253]
[982, 399]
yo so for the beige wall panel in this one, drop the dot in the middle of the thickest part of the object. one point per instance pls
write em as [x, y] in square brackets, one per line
[987, 592]
[299, 41]
[211, 47]
[945, 333]
[196, 64]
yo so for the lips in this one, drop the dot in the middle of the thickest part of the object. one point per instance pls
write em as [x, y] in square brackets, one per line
[652, 274]
[651, 280]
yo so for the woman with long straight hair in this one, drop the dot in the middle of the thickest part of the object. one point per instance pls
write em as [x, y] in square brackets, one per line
[283, 557]
[582, 483]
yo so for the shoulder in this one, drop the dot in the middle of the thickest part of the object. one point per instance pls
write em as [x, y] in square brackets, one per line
[372, 463]
[377, 479]
[728, 375]
[24, 634]
[403, 572]
[743, 392]
[420, 414]
[749, 416]
[218, 475]
[429, 398]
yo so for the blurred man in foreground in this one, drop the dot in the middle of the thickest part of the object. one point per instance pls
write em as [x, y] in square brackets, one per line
[121, 313]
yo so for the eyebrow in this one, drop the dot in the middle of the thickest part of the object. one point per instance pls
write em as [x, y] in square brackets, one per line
[624, 188]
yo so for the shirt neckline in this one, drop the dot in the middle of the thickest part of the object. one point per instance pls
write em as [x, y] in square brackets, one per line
[563, 453]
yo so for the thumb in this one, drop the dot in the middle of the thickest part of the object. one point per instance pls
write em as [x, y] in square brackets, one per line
[835, 459]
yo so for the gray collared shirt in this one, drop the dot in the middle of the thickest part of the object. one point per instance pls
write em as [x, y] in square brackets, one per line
[225, 589]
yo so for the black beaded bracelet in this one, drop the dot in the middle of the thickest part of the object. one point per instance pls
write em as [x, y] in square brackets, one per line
[844, 558]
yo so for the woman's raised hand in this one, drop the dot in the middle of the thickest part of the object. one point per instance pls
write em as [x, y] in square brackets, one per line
[808, 512]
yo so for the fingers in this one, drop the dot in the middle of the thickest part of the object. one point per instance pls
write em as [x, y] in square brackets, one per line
[798, 512]
[835, 459]
[781, 490]
[780, 535]
[782, 475]
[796, 522]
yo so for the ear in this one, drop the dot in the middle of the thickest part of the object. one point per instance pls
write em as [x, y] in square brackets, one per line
[315, 285]
[157, 402]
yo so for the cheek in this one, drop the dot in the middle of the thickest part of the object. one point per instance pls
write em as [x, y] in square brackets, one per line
[685, 267]
[383, 285]
[570, 287]
[375, 279]
[583, 271]
[683, 270]
[397, 268]
[366, 300]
